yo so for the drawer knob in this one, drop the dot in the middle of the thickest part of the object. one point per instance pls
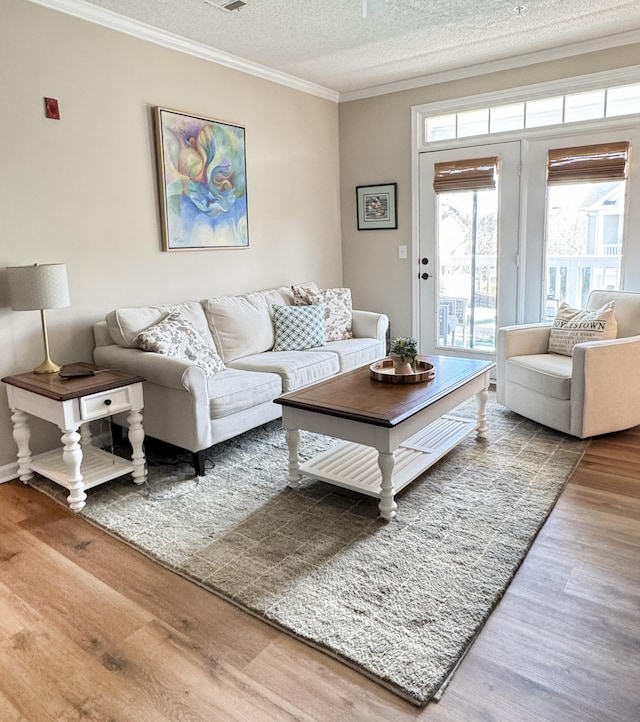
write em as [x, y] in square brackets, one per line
[107, 402]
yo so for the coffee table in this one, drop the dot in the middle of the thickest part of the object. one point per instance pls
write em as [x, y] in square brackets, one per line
[392, 432]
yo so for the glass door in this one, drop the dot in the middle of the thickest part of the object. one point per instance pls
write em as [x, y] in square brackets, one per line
[469, 229]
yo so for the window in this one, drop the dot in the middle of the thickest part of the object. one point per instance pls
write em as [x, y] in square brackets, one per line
[467, 243]
[534, 113]
[585, 207]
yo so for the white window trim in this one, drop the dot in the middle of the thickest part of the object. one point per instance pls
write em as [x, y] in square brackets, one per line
[538, 91]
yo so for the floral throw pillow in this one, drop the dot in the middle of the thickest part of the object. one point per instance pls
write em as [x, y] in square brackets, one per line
[298, 327]
[572, 326]
[176, 336]
[337, 308]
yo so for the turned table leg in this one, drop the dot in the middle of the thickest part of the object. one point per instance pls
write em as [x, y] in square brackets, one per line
[136, 439]
[293, 443]
[72, 457]
[481, 401]
[22, 437]
[387, 504]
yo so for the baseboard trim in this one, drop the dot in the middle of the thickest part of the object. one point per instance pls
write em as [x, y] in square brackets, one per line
[9, 472]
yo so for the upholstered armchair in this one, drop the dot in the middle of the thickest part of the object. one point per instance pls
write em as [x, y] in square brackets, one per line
[594, 391]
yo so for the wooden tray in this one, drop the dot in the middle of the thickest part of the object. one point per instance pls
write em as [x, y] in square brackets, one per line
[384, 370]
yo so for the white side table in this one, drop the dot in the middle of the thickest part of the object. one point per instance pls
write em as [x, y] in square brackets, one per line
[71, 404]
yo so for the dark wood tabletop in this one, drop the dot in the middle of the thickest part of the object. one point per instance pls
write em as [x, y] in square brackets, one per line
[355, 395]
[54, 387]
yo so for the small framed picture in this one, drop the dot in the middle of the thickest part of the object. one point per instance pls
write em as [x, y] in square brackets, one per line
[377, 207]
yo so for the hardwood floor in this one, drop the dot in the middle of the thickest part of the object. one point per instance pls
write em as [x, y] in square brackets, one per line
[92, 630]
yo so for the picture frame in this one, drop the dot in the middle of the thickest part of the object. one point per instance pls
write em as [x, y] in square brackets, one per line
[376, 205]
[202, 182]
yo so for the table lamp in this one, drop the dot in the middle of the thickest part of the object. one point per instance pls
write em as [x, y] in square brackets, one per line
[36, 288]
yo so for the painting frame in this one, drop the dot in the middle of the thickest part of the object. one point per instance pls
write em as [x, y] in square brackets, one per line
[202, 182]
[376, 207]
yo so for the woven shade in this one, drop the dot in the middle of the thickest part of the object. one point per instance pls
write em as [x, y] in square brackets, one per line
[601, 162]
[474, 174]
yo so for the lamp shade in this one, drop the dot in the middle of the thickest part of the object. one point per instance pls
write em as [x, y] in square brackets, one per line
[38, 287]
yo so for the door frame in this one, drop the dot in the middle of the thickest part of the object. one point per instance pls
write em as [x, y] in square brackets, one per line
[509, 252]
[527, 260]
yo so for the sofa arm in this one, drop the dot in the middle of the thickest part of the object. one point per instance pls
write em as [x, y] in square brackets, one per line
[368, 324]
[157, 368]
[176, 394]
[523, 340]
[605, 395]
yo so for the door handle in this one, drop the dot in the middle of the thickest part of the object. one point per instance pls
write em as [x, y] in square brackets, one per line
[424, 261]
[424, 276]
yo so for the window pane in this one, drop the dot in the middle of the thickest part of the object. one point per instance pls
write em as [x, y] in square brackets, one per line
[473, 122]
[584, 106]
[544, 112]
[441, 127]
[507, 117]
[584, 240]
[621, 101]
[467, 236]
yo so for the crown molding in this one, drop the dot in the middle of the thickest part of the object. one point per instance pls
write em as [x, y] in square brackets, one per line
[142, 31]
[92, 13]
[494, 66]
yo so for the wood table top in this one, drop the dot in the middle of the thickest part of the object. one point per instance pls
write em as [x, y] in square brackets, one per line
[54, 387]
[355, 395]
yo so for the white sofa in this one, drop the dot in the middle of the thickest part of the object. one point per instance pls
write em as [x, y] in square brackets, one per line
[189, 409]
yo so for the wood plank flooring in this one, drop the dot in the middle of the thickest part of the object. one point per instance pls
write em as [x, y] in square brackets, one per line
[92, 630]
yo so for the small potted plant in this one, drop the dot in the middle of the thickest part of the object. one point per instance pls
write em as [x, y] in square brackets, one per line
[406, 352]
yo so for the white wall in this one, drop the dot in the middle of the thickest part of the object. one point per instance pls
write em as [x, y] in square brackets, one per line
[83, 190]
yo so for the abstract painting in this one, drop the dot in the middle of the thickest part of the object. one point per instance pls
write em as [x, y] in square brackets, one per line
[203, 182]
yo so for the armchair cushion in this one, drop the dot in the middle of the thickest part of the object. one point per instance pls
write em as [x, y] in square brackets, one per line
[548, 374]
[572, 326]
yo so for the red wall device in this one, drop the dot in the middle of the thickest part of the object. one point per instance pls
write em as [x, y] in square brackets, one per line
[51, 108]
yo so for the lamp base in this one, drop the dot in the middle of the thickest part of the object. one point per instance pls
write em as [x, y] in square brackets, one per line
[47, 367]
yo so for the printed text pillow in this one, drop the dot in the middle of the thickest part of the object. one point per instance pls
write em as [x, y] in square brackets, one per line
[572, 326]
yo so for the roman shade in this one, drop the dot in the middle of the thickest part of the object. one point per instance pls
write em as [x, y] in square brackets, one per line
[601, 162]
[474, 174]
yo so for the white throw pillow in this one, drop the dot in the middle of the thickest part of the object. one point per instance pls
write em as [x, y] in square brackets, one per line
[337, 304]
[176, 336]
[572, 326]
[298, 327]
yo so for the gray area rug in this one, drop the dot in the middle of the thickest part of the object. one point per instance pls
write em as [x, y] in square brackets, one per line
[400, 601]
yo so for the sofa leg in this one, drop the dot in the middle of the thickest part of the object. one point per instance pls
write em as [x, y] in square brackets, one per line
[198, 461]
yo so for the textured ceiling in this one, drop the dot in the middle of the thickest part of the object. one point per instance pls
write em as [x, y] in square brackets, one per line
[331, 44]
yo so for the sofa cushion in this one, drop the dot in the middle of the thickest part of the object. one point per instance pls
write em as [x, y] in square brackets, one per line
[243, 325]
[572, 326]
[125, 324]
[232, 390]
[298, 327]
[546, 373]
[337, 304]
[353, 352]
[175, 336]
[296, 368]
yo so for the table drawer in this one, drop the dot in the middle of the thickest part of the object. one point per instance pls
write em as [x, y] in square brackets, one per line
[105, 403]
